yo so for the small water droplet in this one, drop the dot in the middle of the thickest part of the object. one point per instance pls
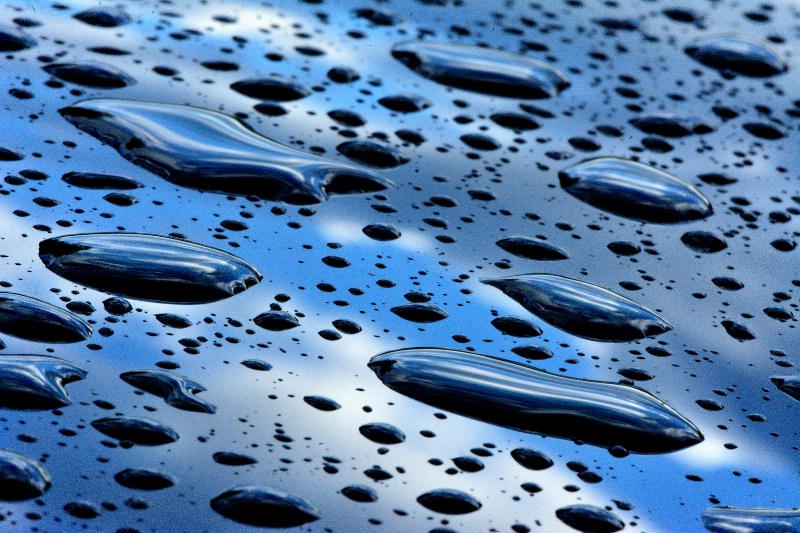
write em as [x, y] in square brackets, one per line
[531, 459]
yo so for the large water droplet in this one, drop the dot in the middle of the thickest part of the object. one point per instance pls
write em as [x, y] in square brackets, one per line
[531, 459]
[93, 180]
[704, 242]
[206, 150]
[36, 381]
[532, 248]
[736, 54]
[788, 384]
[177, 391]
[590, 519]
[265, 507]
[449, 501]
[34, 320]
[103, 17]
[276, 321]
[382, 433]
[373, 153]
[90, 74]
[137, 430]
[482, 70]
[144, 479]
[14, 40]
[422, 313]
[148, 267]
[360, 493]
[522, 398]
[581, 308]
[634, 190]
[672, 125]
[233, 459]
[740, 520]
[21, 478]
[275, 88]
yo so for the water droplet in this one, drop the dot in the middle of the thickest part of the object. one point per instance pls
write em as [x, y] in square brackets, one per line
[233, 459]
[531, 459]
[532, 249]
[672, 125]
[177, 391]
[148, 267]
[635, 191]
[522, 398]
[83, 509]
[257, 364]
[274, 87]
[590, 519]
[788, 384]
[381, 232]
[481, 70]
[36, 382]
[144, 479]
[90, 74]
[93, 180]
[34, 320]
[103, 17]
[264, 507]
[206, 150]
[738, 330]
[736, 54]
[449, 501]
[421, 313]
[703, 242]
[14, 40]
[360, 493]
[739, 520]
[516, 327]
[276, 321]
[532, 351]
[322, 403]
[763, 130]
[373, 153]
[514, 121]
[382, 433]
[21, 478]
[173, 320]
[636, 374]
[581, 308]
[137, 430]
[405, 103]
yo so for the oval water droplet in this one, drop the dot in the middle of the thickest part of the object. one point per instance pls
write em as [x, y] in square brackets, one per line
[373, 153]
[93, 180]
[276, 321]
[741, 520]
[143, 431]
[144, 479]
[522, 398]
[360, 493]
[590, 519]
[634, 190]
[148, 267]
[209, 151]
[704, 242]
[481, 70]
[405, 103]
[535, 249]
[516, 327]
[449, 501]
[382, 433]
[90, 74]
[21, 478]
[275, 88]
[177, 391]
[174, 321]
[581, 308]
[533, 351]
[738, 330]
[103, 17]
[34, 320]
[421, 313]
[672, 125]
[737, 54]
[788, 384]
[36, 382]
[264, 507]
[531, 459]
[381, 232]
[322, 403]
[14, 40]
[233, 459]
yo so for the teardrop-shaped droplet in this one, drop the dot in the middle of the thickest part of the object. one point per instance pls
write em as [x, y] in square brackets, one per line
[481, 70]
[590, 519]
[740, 520]
[581, 308]
[93, 180]
[144, 479]
[206, 150]
[420, 313]
[672, 125]
[275, 88]
[382, 433]
[21, 478]
[736, 54]
[535, 249]
[449, 501]
[276, 321]
[34, 320]
[634, 190]
[522, 398]
[14, 40]
[177, 391]
[144, 431]
[264, 507]
[148, 267]
[90, 74]
[36, 381]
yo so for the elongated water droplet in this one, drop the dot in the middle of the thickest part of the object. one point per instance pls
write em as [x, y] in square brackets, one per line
[14, 40]
[264, 507]
[174, 321]
[103, 17]
[481, 70]
[737, 54]
[740, 520]
[34, 320]
[372, 153]
[672, 125]
[21, 478]
[788, 384]
[635, 191]
[275, 88]
[144, 479]
[206, 150]
[532, 249]
[381, 232]
[519, 397]
[421, 313]
[322, 403]
[738, 330]
[148, 267]
[516, 327]
[90, 74]
[276, 321]
[360, 493]
[449, 501]
[581, 308]
[144, 431]
[704, 242]
[531, 459]
[177, 391]
[93, 180]
[590, 519]
[382, 433]
[233, 459]
[36, 381]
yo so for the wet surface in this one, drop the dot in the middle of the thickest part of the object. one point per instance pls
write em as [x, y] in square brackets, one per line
[239, 206]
